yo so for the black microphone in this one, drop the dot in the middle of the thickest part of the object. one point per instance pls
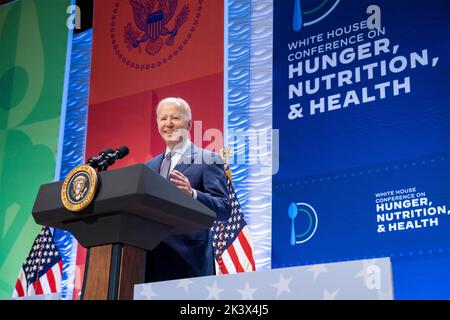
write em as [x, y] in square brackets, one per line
[94, 161]
[111, 157]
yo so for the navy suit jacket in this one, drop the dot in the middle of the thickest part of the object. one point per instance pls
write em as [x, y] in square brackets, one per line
[191, 254]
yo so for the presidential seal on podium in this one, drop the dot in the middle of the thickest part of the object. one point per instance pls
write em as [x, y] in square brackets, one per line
[79, 188]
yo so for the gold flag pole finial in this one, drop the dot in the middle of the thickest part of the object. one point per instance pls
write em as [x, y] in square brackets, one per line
[225, 153]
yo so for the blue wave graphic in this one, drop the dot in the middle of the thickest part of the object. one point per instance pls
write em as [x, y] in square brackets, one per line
[73, 148]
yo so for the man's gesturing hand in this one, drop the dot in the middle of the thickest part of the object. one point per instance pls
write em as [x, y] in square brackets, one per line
[181, 181]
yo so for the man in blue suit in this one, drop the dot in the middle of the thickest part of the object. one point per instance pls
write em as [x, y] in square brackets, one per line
[201, 175]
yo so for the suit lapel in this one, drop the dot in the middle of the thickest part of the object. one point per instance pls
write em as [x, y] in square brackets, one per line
[157, 163]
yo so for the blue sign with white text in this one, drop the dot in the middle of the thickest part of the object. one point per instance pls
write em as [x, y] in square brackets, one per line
[362, 103]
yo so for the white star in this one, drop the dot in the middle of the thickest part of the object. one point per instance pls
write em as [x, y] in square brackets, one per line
[214, 291]
[247, 292]
[317, 269]
[184, 283]
[329, 296]
[147, 292]
[282, 285]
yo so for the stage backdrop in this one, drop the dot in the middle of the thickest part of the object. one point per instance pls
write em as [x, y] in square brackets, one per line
[33, 40]
[136, 62]
[361, 99]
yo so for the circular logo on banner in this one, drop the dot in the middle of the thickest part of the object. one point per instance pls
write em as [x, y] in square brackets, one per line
[79, 188]
[304, 222]
[309, 12]
[146, 34]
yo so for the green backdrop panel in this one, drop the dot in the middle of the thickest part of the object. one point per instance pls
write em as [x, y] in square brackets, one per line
[33, 41]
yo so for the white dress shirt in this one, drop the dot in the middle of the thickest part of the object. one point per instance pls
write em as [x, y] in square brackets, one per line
[177, 151]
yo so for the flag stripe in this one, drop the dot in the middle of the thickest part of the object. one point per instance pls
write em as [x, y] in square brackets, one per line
[44, 281]
[217, 267]
[240, 246]
[21, 284]
[234, 257]
[19, 290]
[37, 287]
[223, 268]
[243, 236]
[50, 281]
[240, 253]
[57, 273]
[229, 267]
[30, 291]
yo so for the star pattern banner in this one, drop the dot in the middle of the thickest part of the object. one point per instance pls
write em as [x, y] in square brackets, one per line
[361, 279]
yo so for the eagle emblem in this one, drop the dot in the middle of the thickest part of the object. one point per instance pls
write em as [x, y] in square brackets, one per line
[79, 187]
[153, 19]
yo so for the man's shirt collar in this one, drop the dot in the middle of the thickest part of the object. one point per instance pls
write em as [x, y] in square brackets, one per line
[179, 148]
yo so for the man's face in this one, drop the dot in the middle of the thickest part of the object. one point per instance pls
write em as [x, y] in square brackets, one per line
[172, 123]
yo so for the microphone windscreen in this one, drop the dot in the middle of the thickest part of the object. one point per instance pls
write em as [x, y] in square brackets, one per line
[123, 151]
[107, 150]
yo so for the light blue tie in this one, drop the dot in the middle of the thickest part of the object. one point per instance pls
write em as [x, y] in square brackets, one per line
[165, 166]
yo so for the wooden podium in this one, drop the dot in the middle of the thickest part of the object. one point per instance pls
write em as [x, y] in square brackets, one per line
[135, 209]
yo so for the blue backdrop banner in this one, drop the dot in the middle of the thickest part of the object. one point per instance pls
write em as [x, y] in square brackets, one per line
[362, 103]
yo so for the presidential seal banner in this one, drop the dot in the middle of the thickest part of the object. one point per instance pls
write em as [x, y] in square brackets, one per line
[361, 101]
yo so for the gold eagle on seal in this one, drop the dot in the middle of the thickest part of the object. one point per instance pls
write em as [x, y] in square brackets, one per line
[79, 187]
[151, 17]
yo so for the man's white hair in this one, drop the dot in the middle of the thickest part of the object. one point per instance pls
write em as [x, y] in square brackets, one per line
[178, 102]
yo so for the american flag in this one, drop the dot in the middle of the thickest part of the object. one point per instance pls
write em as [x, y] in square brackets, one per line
[232, 242]
[41, 272]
